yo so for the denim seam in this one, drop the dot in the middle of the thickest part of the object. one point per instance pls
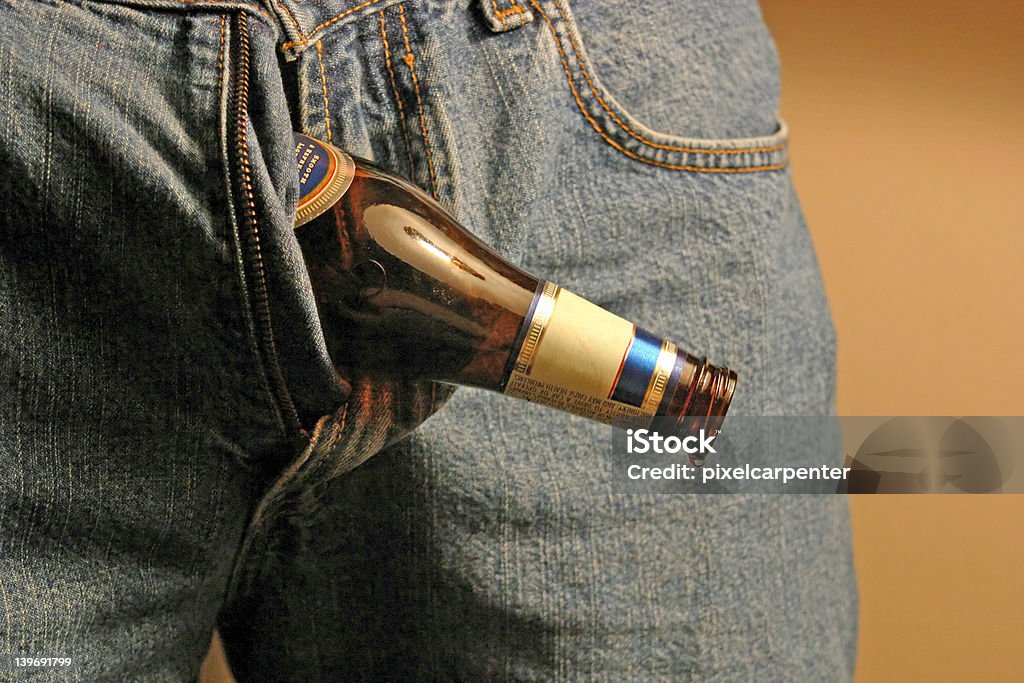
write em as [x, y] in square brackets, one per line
[505, 16]
[291, 16]
[604, 105]
[251, 271]
[211, 5]
[231, 213]
[394, 88]
[221, 44]
[410, 60]
[277, 489]
[323, 84]
[701, 156]
[305, 38]
[281, 390]
[223, 84]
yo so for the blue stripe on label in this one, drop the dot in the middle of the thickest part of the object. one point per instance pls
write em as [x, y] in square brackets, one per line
[313, 162]
[637, 368]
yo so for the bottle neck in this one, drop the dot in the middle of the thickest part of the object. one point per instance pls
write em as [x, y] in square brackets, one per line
[575, 356]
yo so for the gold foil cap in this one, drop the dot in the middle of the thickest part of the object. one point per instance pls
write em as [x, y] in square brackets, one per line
[325, 174]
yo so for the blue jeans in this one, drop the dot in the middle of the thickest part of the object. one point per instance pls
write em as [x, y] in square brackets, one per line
[179, 452]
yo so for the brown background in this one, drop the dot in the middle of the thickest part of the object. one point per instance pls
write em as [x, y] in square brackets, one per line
[907, 146]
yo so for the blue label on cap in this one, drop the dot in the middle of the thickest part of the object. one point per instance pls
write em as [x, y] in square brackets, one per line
[314, 164]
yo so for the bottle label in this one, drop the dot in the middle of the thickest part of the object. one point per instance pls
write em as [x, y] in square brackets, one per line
[578, 357]
[325, 174]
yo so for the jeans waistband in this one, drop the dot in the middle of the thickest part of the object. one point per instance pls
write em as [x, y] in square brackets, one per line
[306, 22]
[300, 22]
[303, 22]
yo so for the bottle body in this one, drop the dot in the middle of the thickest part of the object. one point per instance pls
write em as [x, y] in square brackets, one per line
[404, 291]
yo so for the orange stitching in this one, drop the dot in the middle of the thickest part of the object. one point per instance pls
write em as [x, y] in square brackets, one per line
[291, 16]
[494, 7]
[394, 88]
[344, 417]
[626, 128]
[410, 59]
[593, 89]
[502, 13]
[220, 49]
[323, 85]
[219, 2]
[325, 24]
[610, 141]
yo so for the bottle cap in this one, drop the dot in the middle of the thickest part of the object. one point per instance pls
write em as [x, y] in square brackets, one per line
[702, 398]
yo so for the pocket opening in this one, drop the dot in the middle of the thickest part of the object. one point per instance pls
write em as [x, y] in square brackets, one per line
[617, 127]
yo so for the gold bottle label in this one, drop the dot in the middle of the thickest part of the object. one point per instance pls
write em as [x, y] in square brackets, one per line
[578, 357]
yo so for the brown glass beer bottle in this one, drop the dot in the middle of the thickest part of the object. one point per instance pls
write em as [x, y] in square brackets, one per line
[406, 292]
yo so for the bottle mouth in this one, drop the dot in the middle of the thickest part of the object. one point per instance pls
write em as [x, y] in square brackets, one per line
[725, 387]
[716, 386]
[711, 392]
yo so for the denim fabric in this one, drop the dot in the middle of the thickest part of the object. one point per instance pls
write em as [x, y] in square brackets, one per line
[179, 451]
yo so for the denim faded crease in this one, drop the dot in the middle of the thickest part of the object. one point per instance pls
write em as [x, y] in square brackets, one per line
[179, 452]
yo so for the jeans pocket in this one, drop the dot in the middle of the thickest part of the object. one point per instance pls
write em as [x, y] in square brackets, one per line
[723, 104]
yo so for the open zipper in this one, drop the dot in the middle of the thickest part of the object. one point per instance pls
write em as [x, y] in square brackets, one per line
[244, 194]
[249, 226]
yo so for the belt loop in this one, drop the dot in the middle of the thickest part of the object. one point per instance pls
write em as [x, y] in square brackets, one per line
[289, 20]
[505, 15]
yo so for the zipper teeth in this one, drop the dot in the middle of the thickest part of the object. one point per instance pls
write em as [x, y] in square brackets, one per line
[262, 321]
